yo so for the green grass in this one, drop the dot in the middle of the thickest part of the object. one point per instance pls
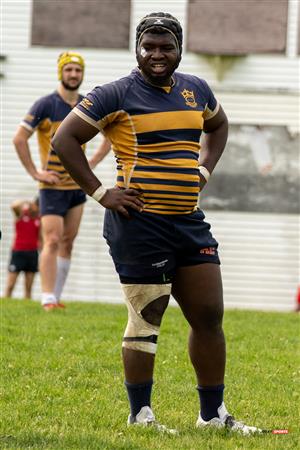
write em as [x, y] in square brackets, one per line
[62, 380]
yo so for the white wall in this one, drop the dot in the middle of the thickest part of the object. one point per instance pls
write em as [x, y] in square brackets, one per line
[260, 252]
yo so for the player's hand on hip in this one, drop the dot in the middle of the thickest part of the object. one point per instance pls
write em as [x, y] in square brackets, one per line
[121, 199]
[47, 176]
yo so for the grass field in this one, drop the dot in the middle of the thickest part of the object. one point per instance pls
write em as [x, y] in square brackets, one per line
[62, 381]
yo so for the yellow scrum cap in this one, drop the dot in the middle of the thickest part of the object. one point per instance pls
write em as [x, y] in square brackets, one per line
[67, 58]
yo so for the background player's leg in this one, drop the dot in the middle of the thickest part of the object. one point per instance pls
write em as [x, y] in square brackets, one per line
[52, 231]
[28, 282]
[71, 226]
[10, 283]
[72, 221]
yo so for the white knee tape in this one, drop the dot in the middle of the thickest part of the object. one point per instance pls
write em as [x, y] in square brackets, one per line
[140, 334]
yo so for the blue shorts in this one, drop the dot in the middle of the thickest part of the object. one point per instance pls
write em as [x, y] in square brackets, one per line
[23, 261]
[151, 246]
[58, 202]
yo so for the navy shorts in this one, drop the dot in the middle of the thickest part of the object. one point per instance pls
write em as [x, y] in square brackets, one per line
[58, 202]
[152, 246]
[23, 261]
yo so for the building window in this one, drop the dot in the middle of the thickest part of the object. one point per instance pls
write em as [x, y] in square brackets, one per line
[81, 23]
[237, 27]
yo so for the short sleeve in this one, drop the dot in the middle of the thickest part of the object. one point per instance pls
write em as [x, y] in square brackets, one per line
[99, 105]
[89, 110]
[212, 105]
[37, 113]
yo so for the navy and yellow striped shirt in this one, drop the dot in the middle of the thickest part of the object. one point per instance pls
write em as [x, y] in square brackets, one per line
[45, 116]
[155, 134]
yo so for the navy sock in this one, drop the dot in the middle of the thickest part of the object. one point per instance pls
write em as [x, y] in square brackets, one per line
[211, 398]
[139, 395]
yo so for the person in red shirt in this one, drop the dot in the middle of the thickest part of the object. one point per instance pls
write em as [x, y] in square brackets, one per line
[24, 254]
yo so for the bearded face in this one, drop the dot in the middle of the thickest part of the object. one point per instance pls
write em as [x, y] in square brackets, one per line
[72, 76]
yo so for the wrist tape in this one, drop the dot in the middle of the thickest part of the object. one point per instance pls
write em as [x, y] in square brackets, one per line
[99, 193]
[204, 172]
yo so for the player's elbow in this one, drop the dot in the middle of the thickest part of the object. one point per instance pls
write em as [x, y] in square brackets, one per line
[18, 140]
[21, 137]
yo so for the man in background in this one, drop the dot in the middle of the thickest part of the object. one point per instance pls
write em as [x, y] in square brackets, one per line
[61, 199]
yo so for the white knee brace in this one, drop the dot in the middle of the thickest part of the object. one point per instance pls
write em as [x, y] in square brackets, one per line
[140, 334]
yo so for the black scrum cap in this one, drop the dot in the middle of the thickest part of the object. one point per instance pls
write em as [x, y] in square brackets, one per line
[163, 21]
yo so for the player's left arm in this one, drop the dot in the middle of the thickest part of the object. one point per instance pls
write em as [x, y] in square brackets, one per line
[213, 141]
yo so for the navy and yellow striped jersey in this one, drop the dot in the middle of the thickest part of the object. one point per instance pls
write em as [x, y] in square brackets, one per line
[155, 134]
[45, 116]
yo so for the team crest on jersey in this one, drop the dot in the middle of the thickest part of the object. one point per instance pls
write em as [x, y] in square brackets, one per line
[86, 103]
[189, 98]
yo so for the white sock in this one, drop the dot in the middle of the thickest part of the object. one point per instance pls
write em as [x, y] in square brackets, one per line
[63, 267]
[48, 297]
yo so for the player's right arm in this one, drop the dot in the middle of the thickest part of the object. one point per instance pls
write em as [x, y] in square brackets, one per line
[67, 141]
[23, 150]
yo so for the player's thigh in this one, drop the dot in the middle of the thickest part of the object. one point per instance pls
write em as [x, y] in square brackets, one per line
[198, 291]
[52, 228]
[72, 222]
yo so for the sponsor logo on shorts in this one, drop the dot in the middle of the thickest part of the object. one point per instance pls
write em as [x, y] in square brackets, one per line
[160, 263]
[208, 251]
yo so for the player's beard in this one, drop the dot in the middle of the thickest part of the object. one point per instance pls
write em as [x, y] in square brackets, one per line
[69, 87]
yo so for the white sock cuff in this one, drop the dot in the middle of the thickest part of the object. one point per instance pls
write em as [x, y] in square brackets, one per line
[63, 263]
[48, 297]
[63, 267]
